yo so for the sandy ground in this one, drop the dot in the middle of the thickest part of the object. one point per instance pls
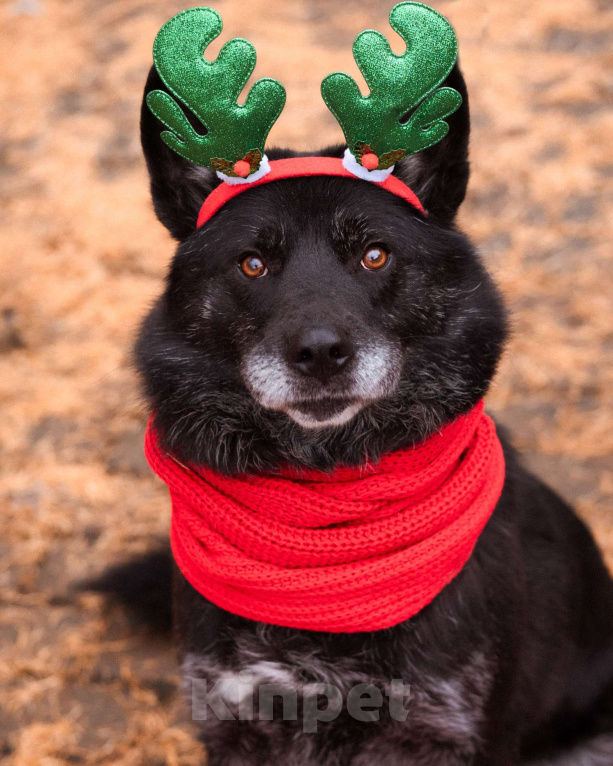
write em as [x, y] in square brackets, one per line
[83, 256]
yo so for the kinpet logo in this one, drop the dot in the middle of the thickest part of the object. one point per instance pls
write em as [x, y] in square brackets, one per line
[238, 698]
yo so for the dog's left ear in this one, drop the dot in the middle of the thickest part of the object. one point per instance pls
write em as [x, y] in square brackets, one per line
[178, 186]
[439, 175]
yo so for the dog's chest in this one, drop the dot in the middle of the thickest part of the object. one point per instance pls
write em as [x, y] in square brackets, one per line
[273, 693]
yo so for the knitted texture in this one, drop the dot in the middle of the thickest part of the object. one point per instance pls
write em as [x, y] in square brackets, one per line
[355, 550]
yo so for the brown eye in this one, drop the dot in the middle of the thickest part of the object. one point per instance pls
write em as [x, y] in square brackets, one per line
[375, 258]
[253, 267]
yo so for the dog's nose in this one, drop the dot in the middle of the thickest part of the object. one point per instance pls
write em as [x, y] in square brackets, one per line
[319, 352]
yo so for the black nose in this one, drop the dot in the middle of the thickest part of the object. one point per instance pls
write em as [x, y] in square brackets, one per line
[319, 352]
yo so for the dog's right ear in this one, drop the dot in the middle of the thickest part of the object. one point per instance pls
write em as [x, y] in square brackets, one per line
[178, 187]
[439, 175]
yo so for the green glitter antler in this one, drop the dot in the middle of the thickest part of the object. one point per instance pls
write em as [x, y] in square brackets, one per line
[235, 133]
[372, 124]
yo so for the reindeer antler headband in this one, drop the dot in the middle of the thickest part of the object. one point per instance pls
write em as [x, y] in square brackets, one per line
[403, 113]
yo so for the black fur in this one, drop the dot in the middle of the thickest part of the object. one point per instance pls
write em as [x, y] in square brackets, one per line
[143, 585]
[436, 300]
[514, 659]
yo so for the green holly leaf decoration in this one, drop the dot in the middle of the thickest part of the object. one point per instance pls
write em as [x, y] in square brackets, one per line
[399, 85]
[210, 89]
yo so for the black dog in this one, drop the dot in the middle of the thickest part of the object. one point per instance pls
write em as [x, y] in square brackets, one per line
[513, 662]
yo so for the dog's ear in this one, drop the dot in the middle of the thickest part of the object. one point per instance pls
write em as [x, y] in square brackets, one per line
[439, 175]
[178, 187]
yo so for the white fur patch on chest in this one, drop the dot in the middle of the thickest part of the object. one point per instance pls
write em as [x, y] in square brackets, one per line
[447, 707]
[236, 685]
[438, 709]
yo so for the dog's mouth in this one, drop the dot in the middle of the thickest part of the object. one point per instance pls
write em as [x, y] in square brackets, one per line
[322, 413]
[374, 374]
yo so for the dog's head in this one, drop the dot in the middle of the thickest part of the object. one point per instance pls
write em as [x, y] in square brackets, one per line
[318, 320]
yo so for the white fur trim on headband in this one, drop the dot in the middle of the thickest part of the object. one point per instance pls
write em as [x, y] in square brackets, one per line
[353, 166]
[259, 173]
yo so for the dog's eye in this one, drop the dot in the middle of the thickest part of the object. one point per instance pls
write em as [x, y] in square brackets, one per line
[375, 258]
[253, 267]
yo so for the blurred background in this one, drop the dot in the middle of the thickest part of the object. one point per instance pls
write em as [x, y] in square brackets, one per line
[83, 256]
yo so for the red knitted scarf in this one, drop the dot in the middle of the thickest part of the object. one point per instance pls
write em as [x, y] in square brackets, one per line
[356, 550]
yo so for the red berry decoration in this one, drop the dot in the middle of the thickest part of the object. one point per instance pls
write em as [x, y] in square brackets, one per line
[209, 90]
[370, 161]
[399, 86]
[242, 168]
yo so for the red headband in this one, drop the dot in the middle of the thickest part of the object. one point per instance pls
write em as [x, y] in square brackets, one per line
[295, 167]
